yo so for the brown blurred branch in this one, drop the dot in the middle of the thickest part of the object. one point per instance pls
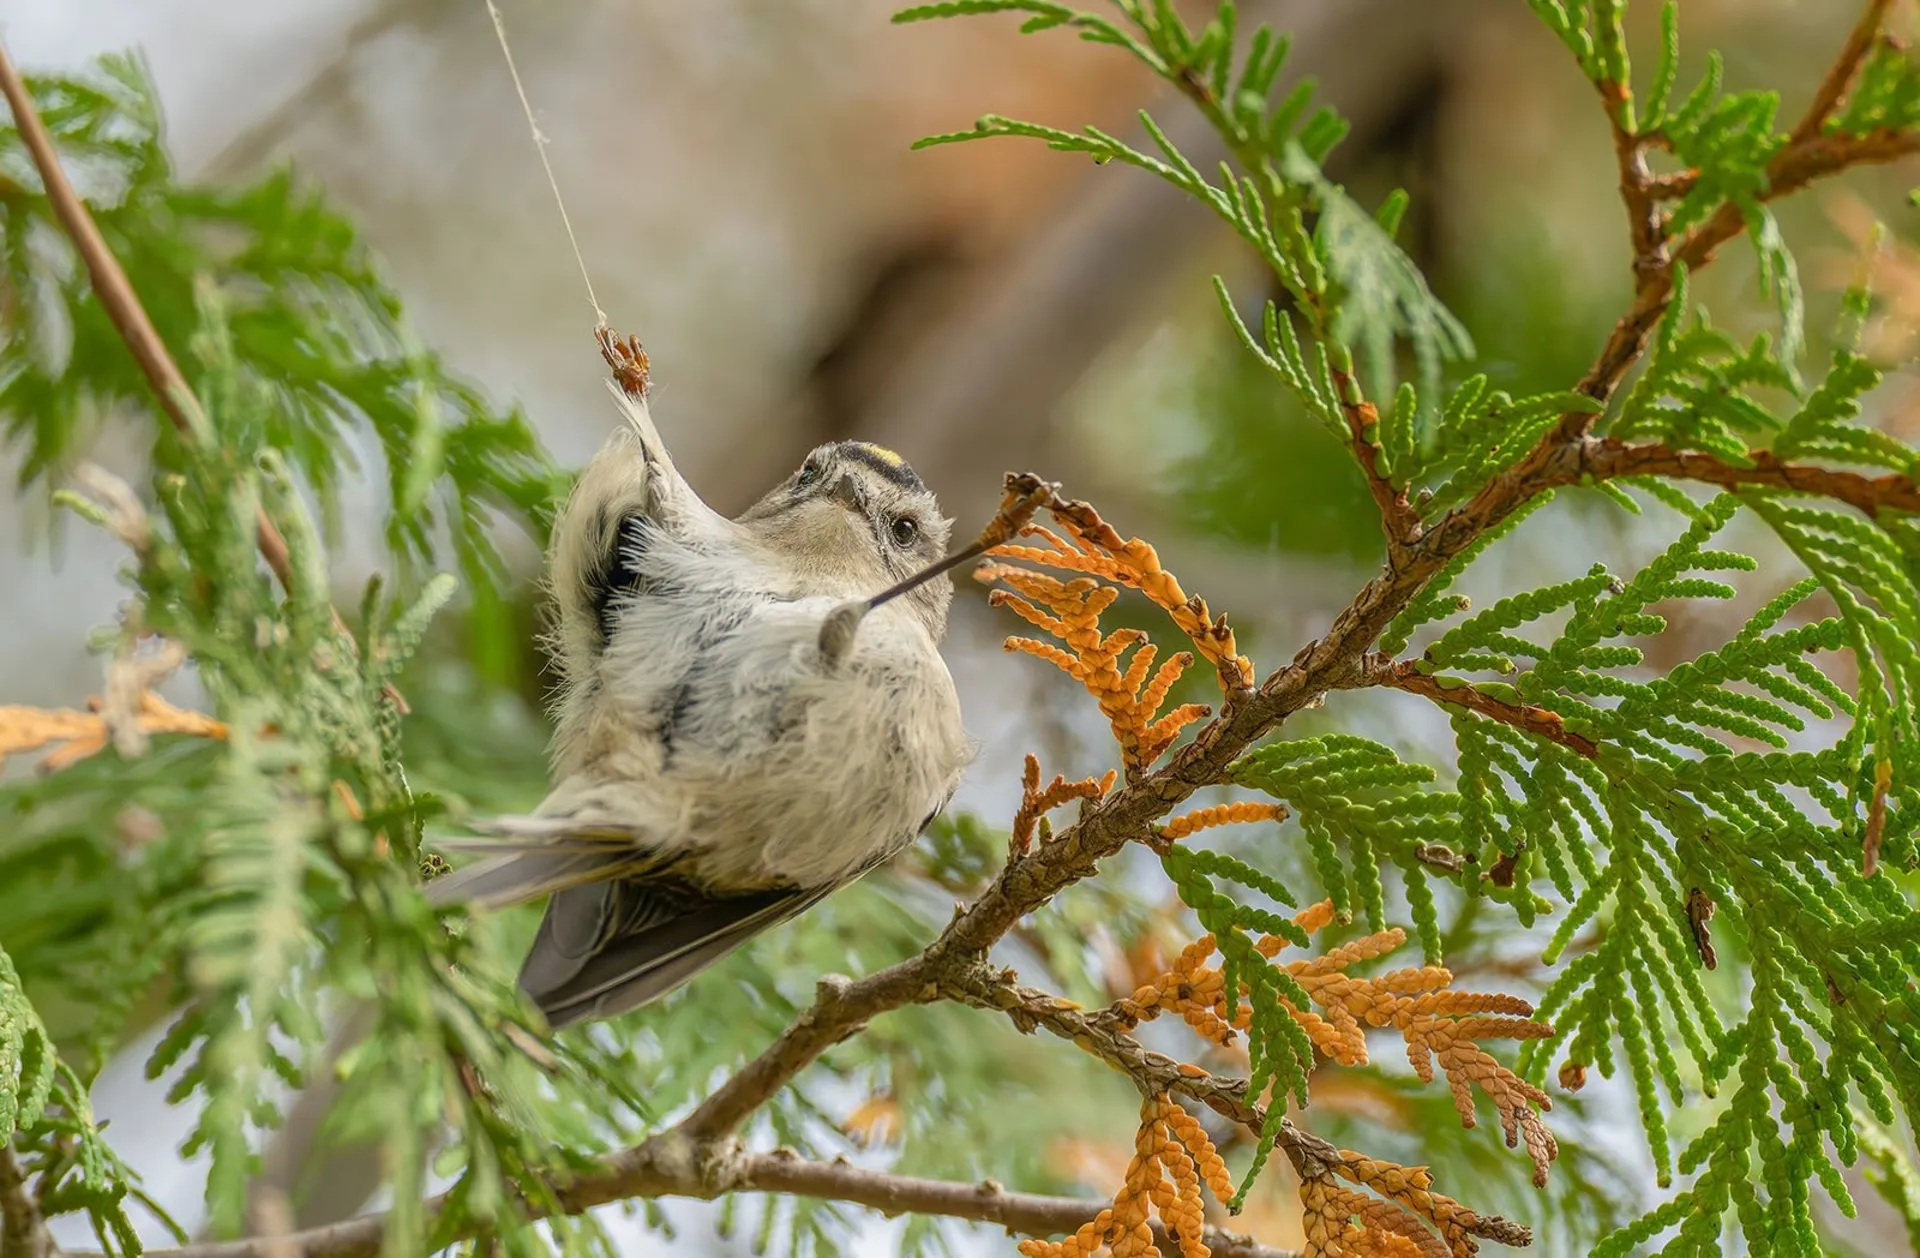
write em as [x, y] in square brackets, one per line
[990, 352]
[23, 1232]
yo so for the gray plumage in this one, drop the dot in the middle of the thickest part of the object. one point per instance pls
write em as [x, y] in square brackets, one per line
[720, 765]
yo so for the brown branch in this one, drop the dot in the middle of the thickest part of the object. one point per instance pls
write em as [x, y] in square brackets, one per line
[1645, 225]
[1607, 458]
[1399, 519]
[669, 1165]
[1104, 1036]
[1833, 89]
[1808, 155]
[23, 1230]
[1541, 722]
[1673, 186]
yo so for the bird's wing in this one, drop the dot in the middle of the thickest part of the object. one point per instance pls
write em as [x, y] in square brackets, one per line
[605, 949]
[632, 483]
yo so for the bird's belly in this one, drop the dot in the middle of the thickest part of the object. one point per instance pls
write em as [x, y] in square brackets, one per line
[759, 764]
[847, 773]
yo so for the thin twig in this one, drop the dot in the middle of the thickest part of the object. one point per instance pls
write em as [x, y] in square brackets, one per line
[1645, 226]
[1406, 675]
[670, 1166]
[1608, 458]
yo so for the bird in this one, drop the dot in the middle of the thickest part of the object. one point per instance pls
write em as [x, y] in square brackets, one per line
[741, 727]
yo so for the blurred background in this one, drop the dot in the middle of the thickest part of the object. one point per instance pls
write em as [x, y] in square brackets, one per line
[739, 178]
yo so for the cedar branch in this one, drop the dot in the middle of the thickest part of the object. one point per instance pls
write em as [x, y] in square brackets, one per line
[1839, 78]
[1607, 458]
[129, 316]
[700, 1158]
[117, 298]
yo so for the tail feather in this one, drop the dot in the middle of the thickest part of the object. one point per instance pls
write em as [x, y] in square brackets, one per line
[605, 950]
[504, 881]
[532, 856]
[500, 835]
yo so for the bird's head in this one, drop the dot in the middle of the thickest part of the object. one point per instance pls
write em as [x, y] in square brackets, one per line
[855, 518]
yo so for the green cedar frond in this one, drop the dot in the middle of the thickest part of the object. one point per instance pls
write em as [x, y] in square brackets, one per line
[1885, 94]
[317, 340]
[1668, 70]
[1693, 395]
[1728, 142]
[1892, 1173]
[1822, 429]
[1482, 433]
[26, 1057]
[1352, 793]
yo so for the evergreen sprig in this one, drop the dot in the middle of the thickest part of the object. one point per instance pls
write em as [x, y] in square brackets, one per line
[1339, 263]
[316, 331]
[1358, 805]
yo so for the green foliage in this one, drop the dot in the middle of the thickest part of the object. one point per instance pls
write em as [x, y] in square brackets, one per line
[1356, 289]
[1277, 1046]
[1354, 794]
[1747, 777]
[1693, 395]
[47, 1119]
[244, 884]
[317, 335]
[1594, 31]
[279, 890]
[1892, 1173]
[1885, 96]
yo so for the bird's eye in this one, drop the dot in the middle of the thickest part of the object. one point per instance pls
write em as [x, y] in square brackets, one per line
[808, 474]
[905, 530]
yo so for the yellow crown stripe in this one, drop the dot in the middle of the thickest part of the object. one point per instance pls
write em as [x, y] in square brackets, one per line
[887, 456]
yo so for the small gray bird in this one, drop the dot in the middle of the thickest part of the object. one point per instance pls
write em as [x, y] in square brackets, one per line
[741, 732]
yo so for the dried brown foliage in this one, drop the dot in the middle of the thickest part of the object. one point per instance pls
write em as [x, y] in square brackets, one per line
[1172, 1157]
[1131, 694]
[1436, 1023]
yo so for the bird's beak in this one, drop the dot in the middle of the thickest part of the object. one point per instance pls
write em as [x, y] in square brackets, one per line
[846, 492]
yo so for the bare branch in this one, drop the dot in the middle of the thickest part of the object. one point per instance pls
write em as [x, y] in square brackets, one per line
[671, 1166]
[1406, 675]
